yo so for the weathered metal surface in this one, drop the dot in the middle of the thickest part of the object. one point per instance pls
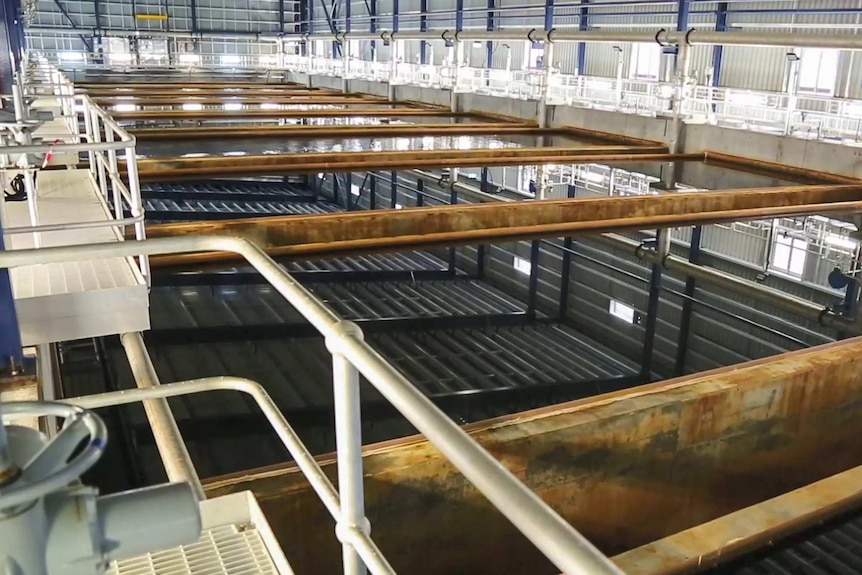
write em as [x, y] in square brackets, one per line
[730, 536]
[626, 468]
[371, 130]
[781, 171]
[494, 222]
[275, 114]
[127, 90]
[160, 169]
[185, 82]
[325, 99]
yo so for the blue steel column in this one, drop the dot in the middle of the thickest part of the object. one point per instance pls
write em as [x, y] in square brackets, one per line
[683, 10]
[395, 11]
[718, 50]
[549, 15]
[490, 25]
[687, 304]
[10, 336]
[372, 24]
[11, 44]
[583, 26]
[423, 27]
[459, 15]
[533, 295]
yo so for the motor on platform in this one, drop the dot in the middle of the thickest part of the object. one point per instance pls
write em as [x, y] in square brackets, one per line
[52, 524]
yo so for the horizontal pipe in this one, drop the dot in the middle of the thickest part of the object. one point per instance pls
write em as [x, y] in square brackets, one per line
[277, 114]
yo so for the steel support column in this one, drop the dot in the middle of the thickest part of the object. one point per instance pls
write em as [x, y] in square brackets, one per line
[688, 303]
[566, 274]
[396, 9]
[10, 335]
[423, 27]
[393, 189]
[11, 44]
[459, 15]
[533, 294]
[193, 6]
[549, 15]
[583, 26]
[652, 314]
[683, 10]
[718, 49]
[490, 26]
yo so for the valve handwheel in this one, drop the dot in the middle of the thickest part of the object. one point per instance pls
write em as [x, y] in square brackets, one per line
[53, 467]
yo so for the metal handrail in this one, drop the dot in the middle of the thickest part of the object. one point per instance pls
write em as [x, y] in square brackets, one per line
[564, 546]
[102, 157]
[303, 458]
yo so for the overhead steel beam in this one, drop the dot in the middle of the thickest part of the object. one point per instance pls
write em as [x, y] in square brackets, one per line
[496, 222]
[11, 45]
[253, 102]
[65, 13]
[276, 114]
[308, 132]
[182, 168]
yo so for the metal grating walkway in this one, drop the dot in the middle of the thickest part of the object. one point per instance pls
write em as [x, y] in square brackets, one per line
[831, 549]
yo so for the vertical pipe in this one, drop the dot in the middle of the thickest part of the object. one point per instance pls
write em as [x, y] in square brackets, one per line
[532, 297]
[687, 304]
[490, 26]
[566, 274]
[372, 185]
[420, 193]
[112, 163]
[393, 189]
[45, 375]
[454, 104]
[348, 440]
[480, 262]
[175, 456]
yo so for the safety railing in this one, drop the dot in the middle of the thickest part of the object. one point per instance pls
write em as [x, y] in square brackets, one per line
[101, 138]
[351, 356]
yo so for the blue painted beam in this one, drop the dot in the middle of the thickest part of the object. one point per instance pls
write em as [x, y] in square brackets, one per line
[718, 51]
[10, 335]
[347, 4]
[459, 15]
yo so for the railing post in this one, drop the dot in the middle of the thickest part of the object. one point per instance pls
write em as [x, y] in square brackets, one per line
[112, 165]
[98, 168]
[348, 441]
[137, 206]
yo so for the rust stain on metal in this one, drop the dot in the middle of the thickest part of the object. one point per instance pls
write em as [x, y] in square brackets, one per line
[380, 112]
[329, 234]
[626, 468]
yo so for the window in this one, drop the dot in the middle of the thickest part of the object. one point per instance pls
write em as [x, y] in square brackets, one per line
[192, 106]
[788, 255]
[124, 108]
[354, 189]
[622, 311]
[522, 265]
[230, 59]
[645, 62]
[233, 106]
[818, 70]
